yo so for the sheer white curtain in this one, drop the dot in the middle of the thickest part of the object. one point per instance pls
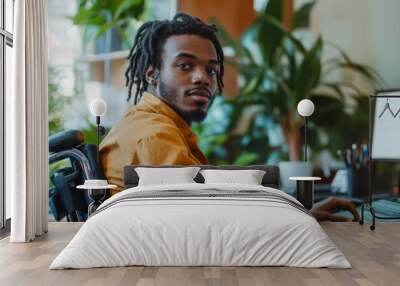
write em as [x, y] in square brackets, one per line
[26, 123]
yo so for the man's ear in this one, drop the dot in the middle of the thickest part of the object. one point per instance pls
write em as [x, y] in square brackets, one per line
[152, 75]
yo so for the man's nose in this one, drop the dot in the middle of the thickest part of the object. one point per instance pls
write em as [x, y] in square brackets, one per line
[200, 76]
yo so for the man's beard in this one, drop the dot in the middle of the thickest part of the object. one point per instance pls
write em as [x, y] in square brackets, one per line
[190, 116]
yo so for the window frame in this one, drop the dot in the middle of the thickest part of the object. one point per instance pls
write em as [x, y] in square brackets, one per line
[6, 39]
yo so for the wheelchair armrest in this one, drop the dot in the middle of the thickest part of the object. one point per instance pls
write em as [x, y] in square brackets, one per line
[65, 140]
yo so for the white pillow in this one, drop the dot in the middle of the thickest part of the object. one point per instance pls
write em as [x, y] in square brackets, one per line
[249, 177]
[163, 176]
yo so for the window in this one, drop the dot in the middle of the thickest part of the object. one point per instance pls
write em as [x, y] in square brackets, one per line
[6, 45]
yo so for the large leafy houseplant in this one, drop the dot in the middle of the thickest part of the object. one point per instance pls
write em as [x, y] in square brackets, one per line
[278, 70]
[101, 16]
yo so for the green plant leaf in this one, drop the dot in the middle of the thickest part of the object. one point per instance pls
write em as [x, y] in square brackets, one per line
[351, 86]
[329, 110]
[87, 17]
[269, 36]
[246, 158]
[274, 8]
[284, 32]
[129, 8]
[301, 17]
[224, 36]
[342, 53]
[335, 88]
[309, 71]
[241, 52]
[254, 83]
[365, 70]
[102, 29]
[290, 52]
[102, 15]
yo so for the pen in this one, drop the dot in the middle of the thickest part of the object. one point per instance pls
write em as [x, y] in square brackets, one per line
[348, 157]
[364, 154]
[354, 155]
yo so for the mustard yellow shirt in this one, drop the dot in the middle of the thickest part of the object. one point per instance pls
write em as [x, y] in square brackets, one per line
[150, 133]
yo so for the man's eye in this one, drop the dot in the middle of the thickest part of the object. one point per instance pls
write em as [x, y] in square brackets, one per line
[212, 71]
[184, 66]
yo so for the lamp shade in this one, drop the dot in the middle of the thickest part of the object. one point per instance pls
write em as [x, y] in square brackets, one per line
[98, 107]
[305, 107]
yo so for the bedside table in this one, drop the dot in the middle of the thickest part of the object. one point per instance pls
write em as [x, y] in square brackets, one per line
[305, 190]
[97, 192]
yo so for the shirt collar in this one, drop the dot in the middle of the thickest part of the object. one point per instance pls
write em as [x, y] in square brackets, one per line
[151, 102]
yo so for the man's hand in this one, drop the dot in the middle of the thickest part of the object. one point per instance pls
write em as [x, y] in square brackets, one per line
[324, 210]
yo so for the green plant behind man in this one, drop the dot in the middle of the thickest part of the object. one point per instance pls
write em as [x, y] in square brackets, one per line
[279, 70]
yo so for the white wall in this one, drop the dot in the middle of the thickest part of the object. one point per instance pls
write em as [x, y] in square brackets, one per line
[368, 30]
[384, 26]
[65, 44]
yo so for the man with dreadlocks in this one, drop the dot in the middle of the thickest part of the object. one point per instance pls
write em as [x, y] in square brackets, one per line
[175, 68]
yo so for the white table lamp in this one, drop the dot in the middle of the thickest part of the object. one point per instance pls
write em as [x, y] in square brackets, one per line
[95, 186]
[98, 107]
[305, 108]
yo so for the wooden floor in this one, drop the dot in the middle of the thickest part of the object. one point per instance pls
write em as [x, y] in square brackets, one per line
[375, 256]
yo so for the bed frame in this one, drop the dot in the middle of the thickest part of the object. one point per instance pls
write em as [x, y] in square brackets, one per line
[270, 179]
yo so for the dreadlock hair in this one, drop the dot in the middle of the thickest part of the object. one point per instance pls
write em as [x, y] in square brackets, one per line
[149, 43]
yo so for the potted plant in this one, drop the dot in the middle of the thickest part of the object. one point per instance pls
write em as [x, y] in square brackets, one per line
[109, 22]
[278, 70]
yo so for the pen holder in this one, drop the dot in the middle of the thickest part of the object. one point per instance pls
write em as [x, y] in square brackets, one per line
[357, 181]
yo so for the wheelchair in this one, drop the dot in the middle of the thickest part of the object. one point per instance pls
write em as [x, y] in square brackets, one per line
[77, 162]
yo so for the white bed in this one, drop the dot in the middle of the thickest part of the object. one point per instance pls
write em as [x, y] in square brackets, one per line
[222, 225]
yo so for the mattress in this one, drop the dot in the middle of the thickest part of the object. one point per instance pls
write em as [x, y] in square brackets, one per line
[201, 225]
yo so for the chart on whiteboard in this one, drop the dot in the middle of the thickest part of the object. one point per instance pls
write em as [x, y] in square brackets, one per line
[386, 127]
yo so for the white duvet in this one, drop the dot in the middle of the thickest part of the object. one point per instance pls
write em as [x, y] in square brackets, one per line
[206, 230]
